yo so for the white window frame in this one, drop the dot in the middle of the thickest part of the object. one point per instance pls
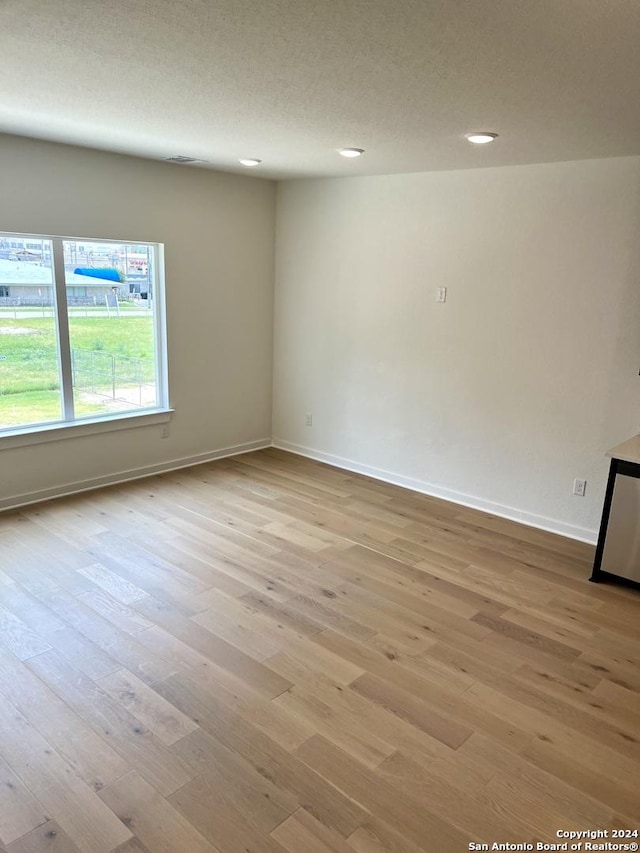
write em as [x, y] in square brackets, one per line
[70, 426]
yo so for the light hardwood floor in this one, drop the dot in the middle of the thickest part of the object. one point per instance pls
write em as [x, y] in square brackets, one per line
[269, 654]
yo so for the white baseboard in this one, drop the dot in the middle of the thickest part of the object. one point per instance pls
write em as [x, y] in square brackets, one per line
[541, 522]
[582, 534]
[16, 501]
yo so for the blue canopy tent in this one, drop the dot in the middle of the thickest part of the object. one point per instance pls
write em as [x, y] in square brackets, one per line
[107, 273]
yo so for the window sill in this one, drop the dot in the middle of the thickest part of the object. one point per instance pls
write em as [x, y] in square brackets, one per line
[90, 426]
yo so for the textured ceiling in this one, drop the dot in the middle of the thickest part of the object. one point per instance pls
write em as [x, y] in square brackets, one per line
[290, 81]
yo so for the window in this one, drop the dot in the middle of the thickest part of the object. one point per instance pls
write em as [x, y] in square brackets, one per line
[77, 342]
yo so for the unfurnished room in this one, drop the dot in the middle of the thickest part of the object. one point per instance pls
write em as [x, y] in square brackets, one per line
[319, 426]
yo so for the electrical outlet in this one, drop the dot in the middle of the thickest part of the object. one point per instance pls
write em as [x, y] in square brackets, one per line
[308, 419]
[441, 294]
[164, 431]
[579, 487]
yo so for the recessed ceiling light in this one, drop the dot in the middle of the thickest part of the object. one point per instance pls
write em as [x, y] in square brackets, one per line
[351, 152]
[481, 138]
[250, 161]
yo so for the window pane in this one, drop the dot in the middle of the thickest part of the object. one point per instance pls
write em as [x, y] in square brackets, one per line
[110, 298]
[29, 374]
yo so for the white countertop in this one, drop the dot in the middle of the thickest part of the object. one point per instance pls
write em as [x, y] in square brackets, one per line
[629, 450]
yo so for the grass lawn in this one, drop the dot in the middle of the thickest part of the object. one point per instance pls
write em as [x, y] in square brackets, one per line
[29, 382]
[38, 407]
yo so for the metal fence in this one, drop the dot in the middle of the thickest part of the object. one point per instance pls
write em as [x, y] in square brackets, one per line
[117, 377]
[47, 301]
[20, 308]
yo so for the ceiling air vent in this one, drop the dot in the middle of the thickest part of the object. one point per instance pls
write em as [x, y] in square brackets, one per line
[180, 158]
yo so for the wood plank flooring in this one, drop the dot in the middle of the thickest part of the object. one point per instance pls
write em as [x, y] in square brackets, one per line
[269, 654]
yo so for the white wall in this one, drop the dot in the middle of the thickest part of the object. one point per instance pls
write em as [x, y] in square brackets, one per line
[218, 231]
[499, 398]
[510, 390]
